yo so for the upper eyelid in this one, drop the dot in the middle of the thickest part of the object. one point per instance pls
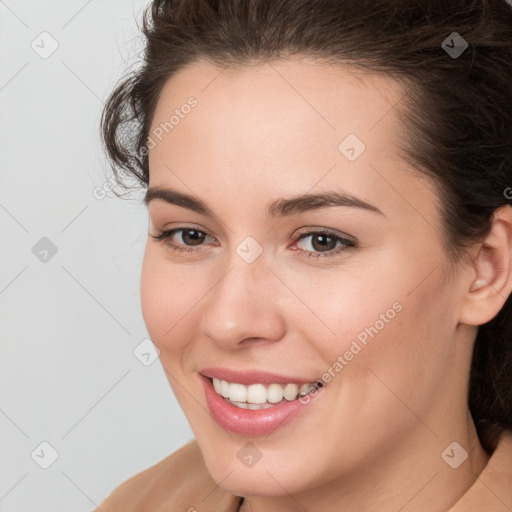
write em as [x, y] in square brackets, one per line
[328, 231]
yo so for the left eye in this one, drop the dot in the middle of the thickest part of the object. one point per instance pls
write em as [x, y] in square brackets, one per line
[323, 243]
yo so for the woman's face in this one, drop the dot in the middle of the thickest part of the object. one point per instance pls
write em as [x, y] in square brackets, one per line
[354, 292]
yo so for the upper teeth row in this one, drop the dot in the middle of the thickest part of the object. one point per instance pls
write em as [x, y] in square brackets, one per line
[259, 393]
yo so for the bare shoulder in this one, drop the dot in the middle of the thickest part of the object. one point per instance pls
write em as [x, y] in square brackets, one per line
[164, 483]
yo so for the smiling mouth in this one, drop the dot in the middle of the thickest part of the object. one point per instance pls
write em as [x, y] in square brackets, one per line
[262, 396]
[261, 405]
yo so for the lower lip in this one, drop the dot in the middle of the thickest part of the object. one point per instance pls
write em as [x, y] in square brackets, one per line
[250, 422]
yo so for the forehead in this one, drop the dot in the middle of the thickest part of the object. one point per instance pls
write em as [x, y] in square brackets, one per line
[283, 126]
[312, 98]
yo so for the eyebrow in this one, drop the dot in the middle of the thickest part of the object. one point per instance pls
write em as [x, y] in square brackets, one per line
[277, 208]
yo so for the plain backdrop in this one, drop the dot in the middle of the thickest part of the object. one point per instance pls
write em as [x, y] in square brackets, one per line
[84, 401]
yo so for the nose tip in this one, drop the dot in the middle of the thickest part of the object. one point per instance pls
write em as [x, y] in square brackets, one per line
[243, 308]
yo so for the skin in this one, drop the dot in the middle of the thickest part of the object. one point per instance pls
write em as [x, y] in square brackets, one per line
[372, 439]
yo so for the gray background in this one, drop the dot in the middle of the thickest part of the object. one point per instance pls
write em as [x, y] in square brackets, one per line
[71, 321]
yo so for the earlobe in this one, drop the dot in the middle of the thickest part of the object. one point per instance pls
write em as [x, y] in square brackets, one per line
[491, 277]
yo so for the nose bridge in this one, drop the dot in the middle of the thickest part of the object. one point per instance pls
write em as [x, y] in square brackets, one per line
[242, 303]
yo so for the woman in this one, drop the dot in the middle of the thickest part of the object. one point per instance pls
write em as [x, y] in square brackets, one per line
[328, 266]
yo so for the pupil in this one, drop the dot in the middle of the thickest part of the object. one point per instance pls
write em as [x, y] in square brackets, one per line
[324, 242]
[195, 236]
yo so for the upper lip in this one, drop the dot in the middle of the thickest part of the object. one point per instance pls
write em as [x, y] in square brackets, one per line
[248, 377]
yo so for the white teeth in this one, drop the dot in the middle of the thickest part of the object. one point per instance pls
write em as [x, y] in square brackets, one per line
[305, 389]
[237, 392]
[224, 388]
[245, 405]
[254, 407]
[259, 396]
[291, 391]
[256, 393]
[242, 405]
[275, 393]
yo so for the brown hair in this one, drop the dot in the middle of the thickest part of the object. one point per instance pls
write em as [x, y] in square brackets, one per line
[457, 108]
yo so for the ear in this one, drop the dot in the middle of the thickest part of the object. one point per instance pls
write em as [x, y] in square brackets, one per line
[491, 272]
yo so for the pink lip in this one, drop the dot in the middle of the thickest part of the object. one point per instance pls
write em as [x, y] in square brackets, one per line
[250, 422]
[251, 377]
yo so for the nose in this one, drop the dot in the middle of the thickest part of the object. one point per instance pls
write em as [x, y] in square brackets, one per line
[243, 307]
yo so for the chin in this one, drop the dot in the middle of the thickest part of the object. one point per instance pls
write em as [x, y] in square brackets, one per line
[245, 483]
[265, 478]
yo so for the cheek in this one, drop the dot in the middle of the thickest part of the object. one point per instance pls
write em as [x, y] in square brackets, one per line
[345, 306]
[403, 355]
[381, 324]
[168, 296]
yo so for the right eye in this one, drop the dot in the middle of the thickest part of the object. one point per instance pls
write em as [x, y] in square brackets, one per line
[190, 237]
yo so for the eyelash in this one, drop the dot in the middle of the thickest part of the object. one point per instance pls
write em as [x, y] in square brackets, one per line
[348, 245]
